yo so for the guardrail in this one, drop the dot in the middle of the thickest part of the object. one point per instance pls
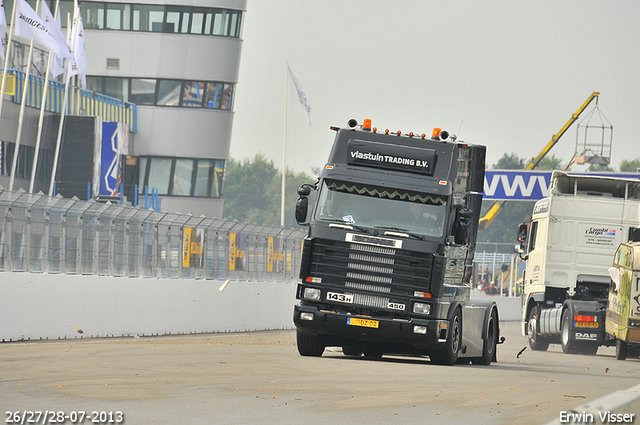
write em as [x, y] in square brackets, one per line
[42, 234]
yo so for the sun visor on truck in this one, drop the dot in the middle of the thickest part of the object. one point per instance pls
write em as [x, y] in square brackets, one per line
[391, 157]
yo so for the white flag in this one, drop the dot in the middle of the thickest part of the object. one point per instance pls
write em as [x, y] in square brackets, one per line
[3, 25]
[56, 65]
[79, 61]
[302, 97]
[28, 24]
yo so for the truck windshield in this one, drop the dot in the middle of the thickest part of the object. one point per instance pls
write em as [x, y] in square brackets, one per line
[382, 207]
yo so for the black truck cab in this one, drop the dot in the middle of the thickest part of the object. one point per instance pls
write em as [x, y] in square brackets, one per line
[388, 257]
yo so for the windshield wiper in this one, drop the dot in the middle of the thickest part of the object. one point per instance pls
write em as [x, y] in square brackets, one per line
[398, 229]
[341, 221]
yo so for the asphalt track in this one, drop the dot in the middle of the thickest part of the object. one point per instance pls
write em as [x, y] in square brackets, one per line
[259, 378]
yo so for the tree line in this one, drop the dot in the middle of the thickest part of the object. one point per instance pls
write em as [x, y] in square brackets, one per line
[252, 193]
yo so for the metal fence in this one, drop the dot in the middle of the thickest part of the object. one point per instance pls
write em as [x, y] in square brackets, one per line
[42, 234]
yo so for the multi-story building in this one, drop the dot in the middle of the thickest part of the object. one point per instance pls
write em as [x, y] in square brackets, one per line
[178, 62]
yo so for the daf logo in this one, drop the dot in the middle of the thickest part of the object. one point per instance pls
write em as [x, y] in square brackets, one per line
[586, 335]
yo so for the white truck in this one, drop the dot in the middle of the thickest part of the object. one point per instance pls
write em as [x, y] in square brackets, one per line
[569, 245]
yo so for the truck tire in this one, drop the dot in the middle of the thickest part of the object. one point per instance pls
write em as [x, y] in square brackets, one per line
[535, 341]
[351, 350]
[621, 350]
[489, 345]
[372, 351]
[309, 345]
[569, 346]
[449, 354]
[590, 348]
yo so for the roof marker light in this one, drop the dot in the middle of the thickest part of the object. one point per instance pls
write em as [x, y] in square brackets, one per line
[386, 131]
[375, 129]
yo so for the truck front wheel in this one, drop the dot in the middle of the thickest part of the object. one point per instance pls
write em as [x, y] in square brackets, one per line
[449, 354]
[621, 350]
[490, 344]
[309, 345]
[569, 346]
[535, 342]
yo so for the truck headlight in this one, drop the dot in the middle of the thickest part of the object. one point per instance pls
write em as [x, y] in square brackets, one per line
[420, 330]
[306, 316]
[421, 308]
[312, 294]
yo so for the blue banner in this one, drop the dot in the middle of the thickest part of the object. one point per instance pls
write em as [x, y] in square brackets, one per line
[113, 145]
[516, 184]
[522, 185]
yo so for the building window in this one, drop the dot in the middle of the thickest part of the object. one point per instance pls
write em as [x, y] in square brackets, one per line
[160, 18]
[187, 94]
[182, 177]
[25, 161]
[169, 92]
[159, 175]
[93, 15]
[142, 173]
[143, 91]
[118, 16]
[204, 175]
[115, 87]
[218, 179]
[178, 19]
[201, 178]
[192, 94]
[198, 22]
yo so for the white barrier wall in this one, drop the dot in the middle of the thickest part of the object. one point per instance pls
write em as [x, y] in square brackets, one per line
[509, 309]
[51, 306]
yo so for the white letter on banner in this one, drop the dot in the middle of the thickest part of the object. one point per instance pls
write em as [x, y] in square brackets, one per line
[490, 189]
[544, 187]
[518, 181]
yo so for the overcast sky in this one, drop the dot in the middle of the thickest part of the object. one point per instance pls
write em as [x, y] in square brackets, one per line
[507, 74]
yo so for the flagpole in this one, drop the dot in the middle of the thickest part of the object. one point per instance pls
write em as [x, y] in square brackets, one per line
[16, 151]
[41, 119]
[6, 58]
[67, 66]
[284, 145]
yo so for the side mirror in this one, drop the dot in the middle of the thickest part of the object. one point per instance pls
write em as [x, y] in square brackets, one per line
[522, 238]
[522, 232]
[302, 203]
[302, 206]
[463, 215]
[304, 190]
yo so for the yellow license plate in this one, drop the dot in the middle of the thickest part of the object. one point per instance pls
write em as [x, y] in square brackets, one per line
[354, 321]
[586, 324]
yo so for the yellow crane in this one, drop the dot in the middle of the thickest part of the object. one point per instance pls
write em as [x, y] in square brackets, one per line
[495, 209]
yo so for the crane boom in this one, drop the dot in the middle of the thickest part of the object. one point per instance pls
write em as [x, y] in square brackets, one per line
[497, 206]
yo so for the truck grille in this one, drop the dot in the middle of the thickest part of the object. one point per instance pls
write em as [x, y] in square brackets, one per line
[371, 300]
[370, 268]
